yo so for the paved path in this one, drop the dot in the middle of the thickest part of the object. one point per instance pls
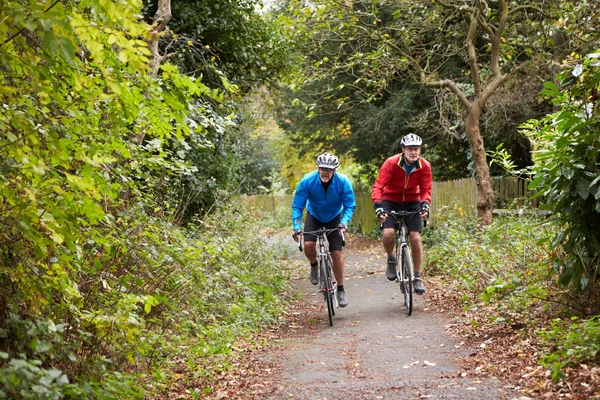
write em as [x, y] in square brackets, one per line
[374, 349]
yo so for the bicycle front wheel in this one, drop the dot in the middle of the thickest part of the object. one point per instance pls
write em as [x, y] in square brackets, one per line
[327, 288]
[332, 285]
[407, 281]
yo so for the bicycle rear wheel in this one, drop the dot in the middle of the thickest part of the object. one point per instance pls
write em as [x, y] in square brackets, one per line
[407, 281]
[327, 289]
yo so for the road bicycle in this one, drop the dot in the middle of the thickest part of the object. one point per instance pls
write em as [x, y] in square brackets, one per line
[404, 267]
[327, 284]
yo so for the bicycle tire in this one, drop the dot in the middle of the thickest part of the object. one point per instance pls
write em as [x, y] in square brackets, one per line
[326, 289]
[332, 287]
[408, 280]
[398, 254]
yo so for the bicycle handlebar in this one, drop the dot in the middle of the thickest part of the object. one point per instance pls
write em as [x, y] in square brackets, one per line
[319, 232]
[402, 214]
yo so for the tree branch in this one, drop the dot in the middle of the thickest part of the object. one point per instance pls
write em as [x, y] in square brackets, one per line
[451, 85]
[489, 90]
[528, 7]
[473, 54]
[448, 5]
[495, 39]
[161, 21]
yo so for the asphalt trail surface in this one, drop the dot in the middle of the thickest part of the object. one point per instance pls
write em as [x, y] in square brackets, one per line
[374, 350]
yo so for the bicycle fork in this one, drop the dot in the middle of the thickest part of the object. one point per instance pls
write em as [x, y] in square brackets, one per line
[324, 265]
[401, 245]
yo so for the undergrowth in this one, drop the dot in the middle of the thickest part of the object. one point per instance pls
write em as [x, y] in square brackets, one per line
[149, 296]
[508, 264]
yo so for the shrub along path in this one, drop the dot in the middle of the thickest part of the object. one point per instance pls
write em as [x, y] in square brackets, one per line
[373, 351]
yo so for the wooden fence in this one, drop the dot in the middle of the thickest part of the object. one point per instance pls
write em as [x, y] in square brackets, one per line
[461, 193]
[508, 192]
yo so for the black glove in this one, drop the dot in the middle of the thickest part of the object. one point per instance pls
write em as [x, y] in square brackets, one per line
[342, 227]
[378, 206]
[297, 234]
[425, 208]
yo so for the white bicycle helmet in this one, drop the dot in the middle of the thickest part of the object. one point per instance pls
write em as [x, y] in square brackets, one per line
[411, 140]
[327, 160]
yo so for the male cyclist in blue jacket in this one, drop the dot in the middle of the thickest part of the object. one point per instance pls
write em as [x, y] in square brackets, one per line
[329, 200]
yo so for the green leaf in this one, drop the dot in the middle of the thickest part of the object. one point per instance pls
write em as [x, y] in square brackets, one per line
[567, 172]
[49, 42]
[149, 302]
[584, 188]
[68, 48]
[568, 81]
[11, 136]
[562, 142]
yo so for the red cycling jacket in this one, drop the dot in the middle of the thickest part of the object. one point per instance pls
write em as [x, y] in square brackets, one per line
[393, 184]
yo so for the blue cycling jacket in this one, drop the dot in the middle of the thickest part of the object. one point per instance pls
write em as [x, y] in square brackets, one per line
[321, 204]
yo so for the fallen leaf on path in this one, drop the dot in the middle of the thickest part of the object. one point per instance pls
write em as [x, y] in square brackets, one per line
[412, 364]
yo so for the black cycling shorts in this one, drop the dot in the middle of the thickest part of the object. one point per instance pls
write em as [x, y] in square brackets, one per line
[334, 238]
[414, 223]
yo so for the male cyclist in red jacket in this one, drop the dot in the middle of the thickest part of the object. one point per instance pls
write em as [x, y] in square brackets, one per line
[404, 183]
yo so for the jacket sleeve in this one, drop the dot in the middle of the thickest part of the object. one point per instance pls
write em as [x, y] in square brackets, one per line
[348, 202]
[382, 179]
[298, 204]
[426, 184]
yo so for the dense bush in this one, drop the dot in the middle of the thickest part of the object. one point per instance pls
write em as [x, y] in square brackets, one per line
[567, 170]
[155, 291]
[506, 266]
[499, 262]
[99, 282]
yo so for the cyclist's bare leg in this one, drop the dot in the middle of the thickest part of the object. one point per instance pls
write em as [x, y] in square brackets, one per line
[416, 249]
[310, 250]
[388, 240]
[338, 266]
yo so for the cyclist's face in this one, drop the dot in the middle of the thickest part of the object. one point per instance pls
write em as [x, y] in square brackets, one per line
[411, 153]
[326, 174]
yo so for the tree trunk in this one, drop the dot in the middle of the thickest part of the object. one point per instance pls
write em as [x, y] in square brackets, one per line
[161, 21]
[485, 191]
[160, 25]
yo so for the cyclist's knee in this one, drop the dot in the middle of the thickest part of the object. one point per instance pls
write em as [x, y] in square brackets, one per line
[310, 245]
[415, 240]
[388, 234]
[415, 236]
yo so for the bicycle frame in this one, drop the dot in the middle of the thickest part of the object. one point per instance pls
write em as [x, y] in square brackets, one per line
[404, 269]
[327, 283]
[326, 264]
[401, 243]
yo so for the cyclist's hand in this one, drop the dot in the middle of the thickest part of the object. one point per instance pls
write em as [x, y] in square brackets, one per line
[297, 234]
[425, 209]
[381, 215]
[343, 228]
[379, 212]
